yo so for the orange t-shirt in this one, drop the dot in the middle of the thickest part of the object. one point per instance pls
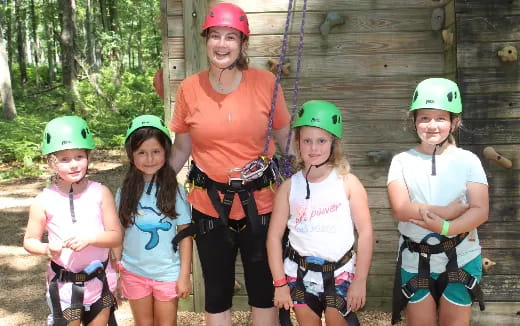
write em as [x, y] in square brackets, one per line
[228, 130]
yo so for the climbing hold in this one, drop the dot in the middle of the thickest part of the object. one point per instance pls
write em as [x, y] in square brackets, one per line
[333, 18]
[273, 66]
[437, 19]
[380, 156]
[490, 154]
[508, 54]
[487, 264]
[447, 37]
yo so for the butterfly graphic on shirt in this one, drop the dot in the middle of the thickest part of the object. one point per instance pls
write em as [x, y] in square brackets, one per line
[152, 228]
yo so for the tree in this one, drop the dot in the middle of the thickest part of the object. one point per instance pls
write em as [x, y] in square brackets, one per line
[34, 27]
[20, 39]
[9, 109]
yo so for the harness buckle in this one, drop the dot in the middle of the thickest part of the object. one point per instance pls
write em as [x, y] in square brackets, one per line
[255, 169]
[231, 179]
[471, 282]
[407, 291]
[205, 226]
[346, 312]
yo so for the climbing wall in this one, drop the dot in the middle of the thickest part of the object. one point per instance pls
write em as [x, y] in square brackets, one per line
[366, 56]
[488, 40]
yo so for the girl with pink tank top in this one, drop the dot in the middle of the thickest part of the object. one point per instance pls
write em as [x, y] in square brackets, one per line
[81, 221]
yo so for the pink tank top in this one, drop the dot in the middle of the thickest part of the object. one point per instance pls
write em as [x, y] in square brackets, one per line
[87, 208]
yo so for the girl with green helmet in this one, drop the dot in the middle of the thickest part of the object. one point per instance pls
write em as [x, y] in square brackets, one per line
[152, 208]
[81, 221]
[322, 205]
[439, 195]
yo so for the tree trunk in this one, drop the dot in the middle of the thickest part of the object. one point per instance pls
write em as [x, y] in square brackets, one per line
[103, 14]
[8, 36]
[20, 40]
[9, 109]
[67, 37]
[139, 43]
[89, 37]
[36, 46]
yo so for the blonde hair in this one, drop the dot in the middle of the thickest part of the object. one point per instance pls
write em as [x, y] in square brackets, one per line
[52, 160]
[337, 158]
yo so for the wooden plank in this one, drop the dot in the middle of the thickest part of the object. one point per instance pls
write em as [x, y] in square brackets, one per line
[487, 27]
[504, 183]
[501, 287]
[175, 26]
[489, 80]
[164, 59]
[364, 65]
[357, 154]
[349, 43]
[355, 21]
[507, 261]
[176, 47]
[281, 5]
[482, 54]
[487, 7]
[177, 69]
[492, 106]
[449, 14]
[490, 132]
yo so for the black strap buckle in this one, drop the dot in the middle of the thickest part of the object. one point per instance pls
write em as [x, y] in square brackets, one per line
[408, 291]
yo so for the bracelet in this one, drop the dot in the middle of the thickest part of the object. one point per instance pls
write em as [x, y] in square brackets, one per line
[280, 283]
[445, 228]
[281, 286]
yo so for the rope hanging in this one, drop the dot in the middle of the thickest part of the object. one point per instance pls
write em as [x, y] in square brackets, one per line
[285, 161]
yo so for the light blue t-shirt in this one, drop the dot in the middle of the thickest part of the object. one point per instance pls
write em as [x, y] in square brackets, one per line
[455, 167]
[147, 245]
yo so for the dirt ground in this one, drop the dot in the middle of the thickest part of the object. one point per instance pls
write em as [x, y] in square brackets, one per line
[22, 290]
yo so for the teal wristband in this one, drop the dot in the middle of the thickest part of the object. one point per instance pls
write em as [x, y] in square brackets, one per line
[445, 228]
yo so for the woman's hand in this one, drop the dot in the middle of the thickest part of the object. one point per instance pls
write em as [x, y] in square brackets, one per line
[356, 295]
[78, 242]
[282, 297]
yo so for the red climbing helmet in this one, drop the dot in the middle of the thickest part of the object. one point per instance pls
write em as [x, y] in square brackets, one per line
[227, 15]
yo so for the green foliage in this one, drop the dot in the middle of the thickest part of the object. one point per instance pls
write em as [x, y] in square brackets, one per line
[21, 138]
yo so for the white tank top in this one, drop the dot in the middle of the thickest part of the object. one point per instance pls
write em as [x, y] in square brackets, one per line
[320, 226]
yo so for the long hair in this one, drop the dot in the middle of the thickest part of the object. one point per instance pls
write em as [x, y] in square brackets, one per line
[133, 185]
[337, 158]
[456, 121]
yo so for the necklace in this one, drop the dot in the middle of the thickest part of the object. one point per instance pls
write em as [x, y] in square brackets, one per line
[219, 86]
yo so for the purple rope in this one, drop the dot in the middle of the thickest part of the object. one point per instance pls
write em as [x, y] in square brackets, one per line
[278, 77]
[286, 159]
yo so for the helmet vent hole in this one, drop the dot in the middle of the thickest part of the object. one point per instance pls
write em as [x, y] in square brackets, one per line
[212, 14]
[84, 133]
[242, 18]
[48, 138]
[335, 119]
[450, 96]
[415, 96]
[300, 113]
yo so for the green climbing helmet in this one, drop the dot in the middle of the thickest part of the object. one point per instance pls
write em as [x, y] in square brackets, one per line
[147, 120]
[320, 114]
[66, 132]
[437, 93]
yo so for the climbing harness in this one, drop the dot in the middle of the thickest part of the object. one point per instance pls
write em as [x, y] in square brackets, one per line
[78, 280]
[423, 280]
[326, 268]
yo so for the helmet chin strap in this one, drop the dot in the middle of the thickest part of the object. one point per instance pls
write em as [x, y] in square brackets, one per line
[149, 189]
[317, 166]
[434, 170]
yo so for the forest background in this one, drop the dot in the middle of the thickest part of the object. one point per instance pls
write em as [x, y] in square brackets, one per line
[92, 58]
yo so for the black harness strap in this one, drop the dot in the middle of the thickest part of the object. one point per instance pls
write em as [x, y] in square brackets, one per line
[244, 190]
[74, 312]
[326, 269]
[402, 294]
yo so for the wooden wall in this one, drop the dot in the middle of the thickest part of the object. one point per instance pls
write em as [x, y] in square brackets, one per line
[368, 66]
[491, 117]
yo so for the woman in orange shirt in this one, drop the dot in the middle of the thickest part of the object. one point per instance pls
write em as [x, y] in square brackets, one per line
[221, 119]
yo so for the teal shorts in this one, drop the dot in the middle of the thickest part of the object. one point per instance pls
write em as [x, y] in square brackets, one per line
[456, 293]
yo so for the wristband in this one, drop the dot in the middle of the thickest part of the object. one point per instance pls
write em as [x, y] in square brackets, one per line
[445, 228]
[280, 283]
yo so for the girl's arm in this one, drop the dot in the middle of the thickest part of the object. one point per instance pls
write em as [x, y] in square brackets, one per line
[34, 231]
[277, 226]
[404, 210]
[358, 199]
[112, 234]
[477, 214]
[186, 252]
[181, 151]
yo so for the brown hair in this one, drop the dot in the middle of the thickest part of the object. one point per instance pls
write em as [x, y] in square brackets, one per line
[337, 158]
[133, 185]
